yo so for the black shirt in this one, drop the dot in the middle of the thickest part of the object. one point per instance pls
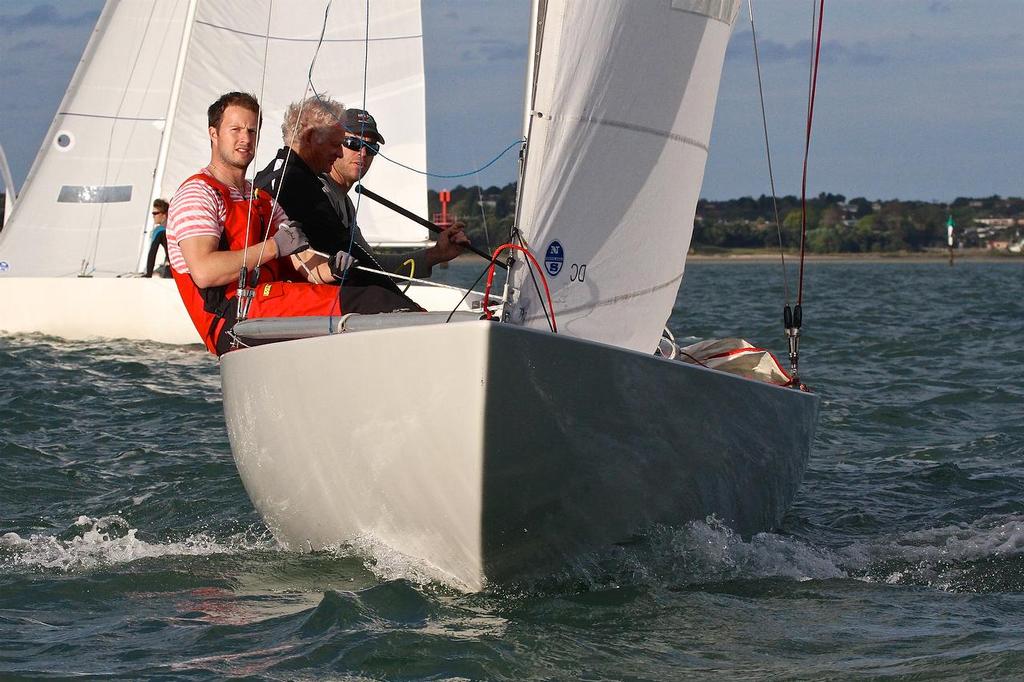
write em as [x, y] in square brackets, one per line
[305, 200]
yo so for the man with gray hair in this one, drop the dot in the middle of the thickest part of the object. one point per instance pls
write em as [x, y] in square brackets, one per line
[313, 133]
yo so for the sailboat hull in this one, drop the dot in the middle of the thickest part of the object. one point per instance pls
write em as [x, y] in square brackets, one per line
[492, 452]
[78, 308]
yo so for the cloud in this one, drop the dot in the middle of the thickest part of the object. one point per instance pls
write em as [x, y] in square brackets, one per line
[832, 52]
[28, 45]
[495, 50]
[940, 7]
[45, 15]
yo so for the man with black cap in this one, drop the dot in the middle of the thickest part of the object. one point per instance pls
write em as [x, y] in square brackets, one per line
[362, 142]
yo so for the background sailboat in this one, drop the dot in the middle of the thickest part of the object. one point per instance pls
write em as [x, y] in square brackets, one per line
[132, 127]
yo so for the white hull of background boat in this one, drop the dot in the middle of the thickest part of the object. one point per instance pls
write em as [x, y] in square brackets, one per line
[79, 308]
[491, 451]
[136, 308]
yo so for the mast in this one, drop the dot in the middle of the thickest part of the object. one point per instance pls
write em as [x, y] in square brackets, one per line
[161, 159]
[10, 192]
[538, 11]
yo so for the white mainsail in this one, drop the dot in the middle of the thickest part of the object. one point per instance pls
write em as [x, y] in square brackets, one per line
[86, 200]
[266, 47]
[616, 150]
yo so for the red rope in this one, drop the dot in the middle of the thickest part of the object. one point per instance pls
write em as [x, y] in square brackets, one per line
[807, 149]
[543, 279]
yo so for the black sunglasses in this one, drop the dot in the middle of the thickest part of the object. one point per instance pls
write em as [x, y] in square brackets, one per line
[357, 143]
[158, 212]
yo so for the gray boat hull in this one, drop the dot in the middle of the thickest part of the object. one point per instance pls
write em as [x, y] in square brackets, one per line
[492, 452]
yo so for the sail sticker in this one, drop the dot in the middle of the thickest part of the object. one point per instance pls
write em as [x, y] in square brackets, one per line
[94, 194]
[553, 258]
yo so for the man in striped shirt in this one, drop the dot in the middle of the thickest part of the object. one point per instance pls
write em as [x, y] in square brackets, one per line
[217, 225]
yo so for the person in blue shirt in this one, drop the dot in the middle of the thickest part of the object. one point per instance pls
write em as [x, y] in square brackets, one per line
[159, 235]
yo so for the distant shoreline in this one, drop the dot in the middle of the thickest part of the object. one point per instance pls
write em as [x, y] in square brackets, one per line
[768, 256]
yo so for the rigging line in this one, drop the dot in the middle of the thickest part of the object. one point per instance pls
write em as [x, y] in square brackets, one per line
[807, 112]
[483, 215]
[275, 203]
[379, 153]
[147, 230]
[110, 143]
[468, 292]
[807, 148]
[382, 155]
[362, 133]
[532, 263]
[310, 86]
[768, 154]
[454, 175]
[522, 244]
[411, 279]
[256, 151]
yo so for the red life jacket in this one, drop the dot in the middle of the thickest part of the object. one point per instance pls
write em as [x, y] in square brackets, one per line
[209, 307]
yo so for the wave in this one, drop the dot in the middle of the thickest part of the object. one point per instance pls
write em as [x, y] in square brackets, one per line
[981, 556]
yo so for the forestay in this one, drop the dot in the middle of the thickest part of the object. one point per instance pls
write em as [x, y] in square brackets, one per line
[619, 119]
[228, 50]
[86, 200]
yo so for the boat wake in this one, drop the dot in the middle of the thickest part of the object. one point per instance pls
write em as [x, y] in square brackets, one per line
[980, 556]
[95, 542]
[90, 543]
[984, 555]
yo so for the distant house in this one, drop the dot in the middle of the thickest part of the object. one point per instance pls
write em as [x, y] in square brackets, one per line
[995, 222]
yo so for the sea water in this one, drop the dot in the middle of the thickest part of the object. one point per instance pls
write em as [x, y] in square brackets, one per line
[129, 549]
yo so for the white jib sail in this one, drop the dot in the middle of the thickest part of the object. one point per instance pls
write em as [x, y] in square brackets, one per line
[622, 105]
[86, 201]
[229, 50]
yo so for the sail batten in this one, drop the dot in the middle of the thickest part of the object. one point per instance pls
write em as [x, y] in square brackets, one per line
[619, 126]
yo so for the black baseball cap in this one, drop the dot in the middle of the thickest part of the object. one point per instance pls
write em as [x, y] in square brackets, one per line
[361, 122]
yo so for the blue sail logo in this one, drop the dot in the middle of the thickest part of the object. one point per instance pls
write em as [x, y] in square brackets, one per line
[553, 258]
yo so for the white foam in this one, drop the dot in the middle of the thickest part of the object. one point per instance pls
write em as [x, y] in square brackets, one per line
[708, 551]
[938, 557]
[98, 542]
[387, 563]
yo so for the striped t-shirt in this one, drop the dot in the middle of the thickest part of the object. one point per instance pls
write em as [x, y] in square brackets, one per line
[198, 210]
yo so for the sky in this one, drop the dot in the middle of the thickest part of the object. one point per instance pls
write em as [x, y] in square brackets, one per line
[916, 99]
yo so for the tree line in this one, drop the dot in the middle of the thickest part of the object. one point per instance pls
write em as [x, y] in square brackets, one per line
[835, 224]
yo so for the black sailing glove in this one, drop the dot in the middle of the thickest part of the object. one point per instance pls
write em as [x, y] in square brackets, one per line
[340, 262]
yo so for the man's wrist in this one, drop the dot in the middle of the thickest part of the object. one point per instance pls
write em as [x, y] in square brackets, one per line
[432, 256]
